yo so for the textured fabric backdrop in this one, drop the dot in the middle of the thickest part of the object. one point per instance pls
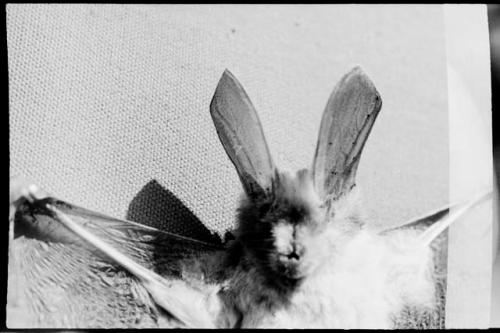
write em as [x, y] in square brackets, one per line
[109, 104]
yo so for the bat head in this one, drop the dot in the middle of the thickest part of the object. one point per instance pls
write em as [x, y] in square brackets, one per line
[284, 218]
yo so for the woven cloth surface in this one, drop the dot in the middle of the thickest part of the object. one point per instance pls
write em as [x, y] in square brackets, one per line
[109, 104]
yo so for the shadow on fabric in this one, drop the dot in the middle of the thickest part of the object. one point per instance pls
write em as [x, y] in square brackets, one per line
[158, 207]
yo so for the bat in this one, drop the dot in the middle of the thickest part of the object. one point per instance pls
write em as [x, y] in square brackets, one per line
[301, 254]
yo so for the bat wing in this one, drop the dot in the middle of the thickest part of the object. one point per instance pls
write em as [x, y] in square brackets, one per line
[429, 230]
[137, 276]
[434, 223]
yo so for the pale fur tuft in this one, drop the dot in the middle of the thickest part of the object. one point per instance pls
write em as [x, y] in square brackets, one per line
[366, 282]
[297, 188]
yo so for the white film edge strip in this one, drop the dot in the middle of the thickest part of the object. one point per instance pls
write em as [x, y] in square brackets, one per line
[470, 247]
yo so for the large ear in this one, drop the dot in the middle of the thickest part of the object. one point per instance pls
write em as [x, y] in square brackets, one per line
[347, 120]
[240, 132]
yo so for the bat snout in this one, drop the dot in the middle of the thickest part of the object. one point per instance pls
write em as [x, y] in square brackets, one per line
[294, 254]
[291, 263]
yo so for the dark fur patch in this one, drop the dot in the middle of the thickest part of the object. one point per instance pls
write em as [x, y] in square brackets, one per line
[254, 241]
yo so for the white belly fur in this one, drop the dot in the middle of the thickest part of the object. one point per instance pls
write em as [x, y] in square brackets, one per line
[362, 285]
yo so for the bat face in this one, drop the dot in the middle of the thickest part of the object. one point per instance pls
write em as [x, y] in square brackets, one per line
[298, 220]
[289, 235]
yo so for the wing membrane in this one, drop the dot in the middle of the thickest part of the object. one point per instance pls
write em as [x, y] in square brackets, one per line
[435, 222]
[50, 259]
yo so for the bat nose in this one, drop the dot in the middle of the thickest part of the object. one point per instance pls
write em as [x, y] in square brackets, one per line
[292, 262]
[294, 254]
